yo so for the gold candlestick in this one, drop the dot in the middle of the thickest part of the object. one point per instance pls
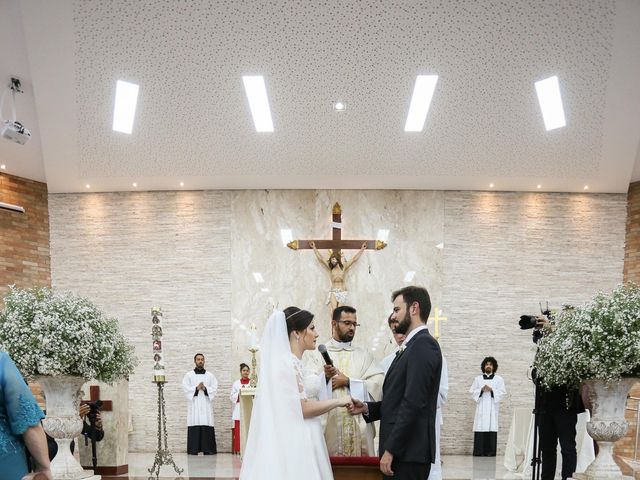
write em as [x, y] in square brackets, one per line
[253, 382]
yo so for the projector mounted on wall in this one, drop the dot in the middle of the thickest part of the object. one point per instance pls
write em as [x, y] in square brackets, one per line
[15, 132]
[12, 129]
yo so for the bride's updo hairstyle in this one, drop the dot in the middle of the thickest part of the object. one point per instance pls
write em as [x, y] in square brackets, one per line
[297, 320]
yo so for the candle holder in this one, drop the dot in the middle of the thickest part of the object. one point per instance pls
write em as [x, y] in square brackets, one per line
[253, 380]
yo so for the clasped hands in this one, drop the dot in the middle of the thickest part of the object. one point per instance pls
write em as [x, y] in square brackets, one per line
[487, 389]
[338, 379]
[357, 407]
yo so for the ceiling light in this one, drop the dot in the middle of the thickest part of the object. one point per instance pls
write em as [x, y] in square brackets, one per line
[125, 108]
[420, 102]
[135, 184]
[409, 276]
[3, 167]
[88, 186]
[286, 235]
[440, 245]
[539, 186]
[383, 235]
[491, 185]
[586, 187]
[258, 277]
[264, 290]
[339, 106]
[258, 102]
[550, 100]
[182, 184]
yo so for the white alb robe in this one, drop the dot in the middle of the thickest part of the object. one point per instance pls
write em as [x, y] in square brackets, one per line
[487, 405]
[443, 392]
[235, 394]
[348, 435]
[386, 362]
[200, 406]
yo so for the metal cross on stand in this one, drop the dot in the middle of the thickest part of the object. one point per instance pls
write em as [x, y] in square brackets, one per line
[336, 243]
[436, 320]
[163, 455]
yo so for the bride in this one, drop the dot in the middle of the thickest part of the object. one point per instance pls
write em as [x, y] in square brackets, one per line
[286, 440]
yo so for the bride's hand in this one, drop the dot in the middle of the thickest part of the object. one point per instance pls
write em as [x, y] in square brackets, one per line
[44, 474]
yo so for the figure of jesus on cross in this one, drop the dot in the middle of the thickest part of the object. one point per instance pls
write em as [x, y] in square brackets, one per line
[336, 263]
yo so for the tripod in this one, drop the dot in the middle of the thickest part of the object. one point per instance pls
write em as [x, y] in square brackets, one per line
[536, 456]
[163, 455]
[92, 436]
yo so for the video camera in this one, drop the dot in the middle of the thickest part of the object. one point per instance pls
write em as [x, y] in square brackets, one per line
[531, 321]
[94, 408]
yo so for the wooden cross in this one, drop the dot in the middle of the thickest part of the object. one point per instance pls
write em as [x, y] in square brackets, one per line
[436, 320]
[94, 394]
[336, 243]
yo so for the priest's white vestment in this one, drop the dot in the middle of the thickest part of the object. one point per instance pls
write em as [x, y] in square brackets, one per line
[348, 435]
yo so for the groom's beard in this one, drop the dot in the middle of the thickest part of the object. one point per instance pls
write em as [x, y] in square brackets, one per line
[405, 323]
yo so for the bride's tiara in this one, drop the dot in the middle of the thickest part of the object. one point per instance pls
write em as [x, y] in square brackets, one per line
[293, 314]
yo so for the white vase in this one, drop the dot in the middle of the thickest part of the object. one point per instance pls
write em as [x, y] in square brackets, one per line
[62, 395]
[607, 424]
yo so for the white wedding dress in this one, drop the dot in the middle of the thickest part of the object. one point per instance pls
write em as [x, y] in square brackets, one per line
[310, 387]
[282, 444]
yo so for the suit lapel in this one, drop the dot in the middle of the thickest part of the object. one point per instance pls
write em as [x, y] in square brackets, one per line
[397, 359]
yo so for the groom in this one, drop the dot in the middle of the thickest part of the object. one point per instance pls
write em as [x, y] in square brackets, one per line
[407, 412]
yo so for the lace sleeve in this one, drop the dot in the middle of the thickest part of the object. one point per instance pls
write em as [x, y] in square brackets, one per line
[300, 379]
[23, 411]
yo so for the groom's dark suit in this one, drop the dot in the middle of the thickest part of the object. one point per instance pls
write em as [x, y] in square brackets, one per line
[407, 412]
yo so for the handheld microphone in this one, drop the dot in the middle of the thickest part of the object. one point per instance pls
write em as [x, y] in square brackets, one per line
[323, 351]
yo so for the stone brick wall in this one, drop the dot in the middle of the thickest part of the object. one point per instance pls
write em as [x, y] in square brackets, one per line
[129, 252]
[504, 253]
[625, 447]
[24, 237]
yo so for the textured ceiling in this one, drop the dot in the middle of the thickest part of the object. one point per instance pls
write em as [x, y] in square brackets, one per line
[193, 119]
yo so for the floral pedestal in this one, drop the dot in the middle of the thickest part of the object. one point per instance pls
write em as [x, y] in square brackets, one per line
[607, 425]
[64, 424]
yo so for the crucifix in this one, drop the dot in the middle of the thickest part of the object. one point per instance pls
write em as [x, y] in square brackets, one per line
[436, 320]
[94, 395]
[336, 263]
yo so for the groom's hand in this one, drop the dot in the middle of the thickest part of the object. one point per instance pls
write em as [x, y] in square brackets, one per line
[385, 463]
[358, 407]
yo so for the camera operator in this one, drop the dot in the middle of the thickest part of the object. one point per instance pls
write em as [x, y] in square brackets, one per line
[557, 409]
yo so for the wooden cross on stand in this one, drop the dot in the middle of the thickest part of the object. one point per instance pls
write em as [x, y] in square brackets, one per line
[437, 319]
[336, 243]
[94, 394]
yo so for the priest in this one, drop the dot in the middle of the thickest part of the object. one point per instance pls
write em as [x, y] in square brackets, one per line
[199, 387]
[354, 373]
[487, 391]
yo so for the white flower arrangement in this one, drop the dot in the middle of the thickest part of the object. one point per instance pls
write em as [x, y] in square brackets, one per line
[599, 340]
[58, 333]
